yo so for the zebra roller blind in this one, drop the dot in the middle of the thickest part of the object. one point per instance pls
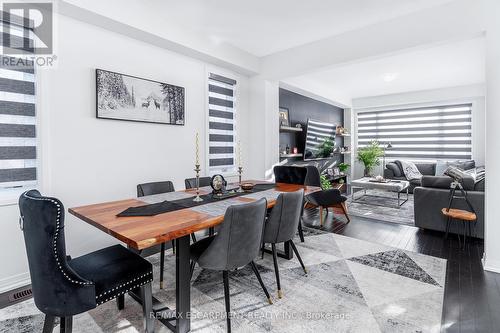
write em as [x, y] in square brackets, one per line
[438, 132]
[221, 124]
[18, 144]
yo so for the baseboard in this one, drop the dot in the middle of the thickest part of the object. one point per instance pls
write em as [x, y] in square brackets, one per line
[15, 281]
[491, 265]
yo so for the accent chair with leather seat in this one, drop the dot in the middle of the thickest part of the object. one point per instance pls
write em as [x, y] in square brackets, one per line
[281, 225]
[236, 245]
[64, 287]
[331, 198]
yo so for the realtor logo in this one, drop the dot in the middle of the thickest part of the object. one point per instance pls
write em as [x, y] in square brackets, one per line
[36, 37]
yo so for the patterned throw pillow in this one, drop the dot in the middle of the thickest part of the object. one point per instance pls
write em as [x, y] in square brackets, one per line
[410, 170]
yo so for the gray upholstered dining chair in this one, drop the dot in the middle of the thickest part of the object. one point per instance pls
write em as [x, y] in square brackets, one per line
[324, 199]
[281, 226]
[292, 175]
[63, 286]
[236, 244]
[152, 189]
[191, 182]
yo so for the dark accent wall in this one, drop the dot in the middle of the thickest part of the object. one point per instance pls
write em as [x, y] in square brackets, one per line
[302, 108]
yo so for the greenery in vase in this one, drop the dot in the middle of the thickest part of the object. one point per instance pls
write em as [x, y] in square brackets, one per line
[343, 167]
[370, 156]
[325, 183]
[325, 149]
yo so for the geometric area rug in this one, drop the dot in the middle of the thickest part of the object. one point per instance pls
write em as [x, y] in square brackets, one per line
[351, 286]
[382, 206]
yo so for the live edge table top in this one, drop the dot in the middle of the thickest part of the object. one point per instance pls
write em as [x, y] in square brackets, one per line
[140, 232]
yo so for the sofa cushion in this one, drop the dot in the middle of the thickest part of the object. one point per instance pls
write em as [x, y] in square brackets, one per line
[479, 186]
[426, 168]
[441, 166]
[394, 168]
[416, 182]
[445, 182]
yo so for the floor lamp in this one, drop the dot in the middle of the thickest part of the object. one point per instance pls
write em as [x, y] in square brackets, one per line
[387, 146]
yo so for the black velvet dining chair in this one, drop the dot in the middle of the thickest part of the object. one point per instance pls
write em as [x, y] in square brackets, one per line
[152, 189]
[64, 287]
[191, 182]
[292, 175]
[236, 244]
[324, 199]
[281, 225]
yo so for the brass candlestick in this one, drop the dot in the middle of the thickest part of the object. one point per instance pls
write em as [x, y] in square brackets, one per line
[240, 171]
[197, 198]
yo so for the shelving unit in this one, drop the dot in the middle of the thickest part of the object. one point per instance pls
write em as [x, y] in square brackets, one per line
[290, 155]
[290, 129]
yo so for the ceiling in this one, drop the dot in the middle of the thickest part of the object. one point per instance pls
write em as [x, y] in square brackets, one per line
[259, 27]
[450, 65]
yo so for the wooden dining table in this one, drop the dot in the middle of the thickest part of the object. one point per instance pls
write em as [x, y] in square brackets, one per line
[142, 232]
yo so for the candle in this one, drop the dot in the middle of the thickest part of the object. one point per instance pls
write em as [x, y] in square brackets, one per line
[239, 153]
[197, 150]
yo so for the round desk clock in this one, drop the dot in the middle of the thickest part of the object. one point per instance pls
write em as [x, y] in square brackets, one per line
[218, 184]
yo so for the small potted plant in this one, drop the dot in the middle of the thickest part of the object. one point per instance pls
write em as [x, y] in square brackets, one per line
[343, 168]
[325, 183]
[370, 156]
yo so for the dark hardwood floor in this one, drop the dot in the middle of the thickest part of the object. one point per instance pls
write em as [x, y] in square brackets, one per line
[472, 296]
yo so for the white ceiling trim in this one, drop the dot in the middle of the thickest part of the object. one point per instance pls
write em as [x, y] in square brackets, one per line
[222, 55]
[458, 20]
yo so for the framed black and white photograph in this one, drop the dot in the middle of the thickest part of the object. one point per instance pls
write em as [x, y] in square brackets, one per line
[284, 117]
[329, 171]
[336, 172]
[126, 97]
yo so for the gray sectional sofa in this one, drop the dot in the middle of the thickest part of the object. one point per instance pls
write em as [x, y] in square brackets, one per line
[393, 170]
[431, 194]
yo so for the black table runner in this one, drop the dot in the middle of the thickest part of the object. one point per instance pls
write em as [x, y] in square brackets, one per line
[170, 206]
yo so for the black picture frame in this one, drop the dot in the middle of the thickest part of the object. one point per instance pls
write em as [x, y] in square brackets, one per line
[173, 97]
[284, 115]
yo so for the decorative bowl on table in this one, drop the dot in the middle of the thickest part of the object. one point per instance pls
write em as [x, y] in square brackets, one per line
[247, 186]
[379, 179]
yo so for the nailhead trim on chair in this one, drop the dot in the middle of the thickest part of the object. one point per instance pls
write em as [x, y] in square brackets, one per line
[56, 234]
[124, 284]
[124, 291]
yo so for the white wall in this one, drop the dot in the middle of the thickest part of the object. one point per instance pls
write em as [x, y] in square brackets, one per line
[88, 160]
[492, 232]
[264, 103]
[474, 94]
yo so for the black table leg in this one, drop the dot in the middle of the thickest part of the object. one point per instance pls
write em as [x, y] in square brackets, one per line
[176, 320]
[287, 252]
[182, 284]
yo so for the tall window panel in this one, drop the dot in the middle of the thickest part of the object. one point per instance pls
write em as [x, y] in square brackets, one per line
[431, 133]
[18, 143]
[221, 124]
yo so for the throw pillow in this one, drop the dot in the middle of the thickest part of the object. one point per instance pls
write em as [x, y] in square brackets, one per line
[441, 166]
[410, 170]
[394, 168]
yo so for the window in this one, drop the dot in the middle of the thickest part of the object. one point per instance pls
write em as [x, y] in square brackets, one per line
[439, 132]
[18, 143]
[221, 124]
